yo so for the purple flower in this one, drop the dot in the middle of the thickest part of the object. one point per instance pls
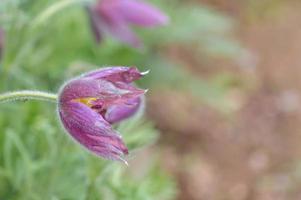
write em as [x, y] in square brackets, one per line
[89, 104]
[114, 17]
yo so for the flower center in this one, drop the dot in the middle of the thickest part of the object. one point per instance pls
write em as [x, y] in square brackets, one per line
[92, 103]
[89, 101]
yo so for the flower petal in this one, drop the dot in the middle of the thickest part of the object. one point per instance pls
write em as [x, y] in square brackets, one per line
[118, 113]
[96, 24]
[140, 13]
[92, 131]
[115, 25]
[79, 88]
[104, 91]
[113, 74]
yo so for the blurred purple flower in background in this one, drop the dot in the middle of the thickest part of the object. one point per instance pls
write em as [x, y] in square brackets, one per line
[89, 104]
[114, 17]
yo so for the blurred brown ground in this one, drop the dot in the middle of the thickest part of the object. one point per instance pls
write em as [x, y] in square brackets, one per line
[255, 153]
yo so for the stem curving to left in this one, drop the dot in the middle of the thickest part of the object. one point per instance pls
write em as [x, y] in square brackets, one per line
[27, 95]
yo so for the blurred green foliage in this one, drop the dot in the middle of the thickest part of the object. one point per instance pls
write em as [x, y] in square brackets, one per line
[49, 41]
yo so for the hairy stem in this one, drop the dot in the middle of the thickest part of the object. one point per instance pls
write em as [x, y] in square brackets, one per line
[27, 95]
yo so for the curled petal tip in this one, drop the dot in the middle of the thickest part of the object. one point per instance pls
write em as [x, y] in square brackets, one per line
[145, 72]
[124, 161]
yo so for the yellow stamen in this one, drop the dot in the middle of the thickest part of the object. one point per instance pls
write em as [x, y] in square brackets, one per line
[87, 101]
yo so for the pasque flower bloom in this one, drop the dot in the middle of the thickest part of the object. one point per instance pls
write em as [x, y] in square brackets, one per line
[114, 17]
[91, 103]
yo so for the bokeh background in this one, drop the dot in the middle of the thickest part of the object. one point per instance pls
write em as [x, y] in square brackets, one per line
[222, 118]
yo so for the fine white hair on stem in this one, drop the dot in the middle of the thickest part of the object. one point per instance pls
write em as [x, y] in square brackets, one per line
[27, 95]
